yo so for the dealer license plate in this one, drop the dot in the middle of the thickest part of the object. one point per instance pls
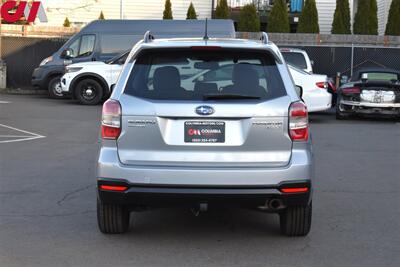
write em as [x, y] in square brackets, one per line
[204, 132]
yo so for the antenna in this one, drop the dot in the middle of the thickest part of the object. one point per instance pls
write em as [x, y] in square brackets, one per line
[205, 38]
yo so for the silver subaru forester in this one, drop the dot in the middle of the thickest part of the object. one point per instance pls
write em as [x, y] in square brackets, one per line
[201, 122]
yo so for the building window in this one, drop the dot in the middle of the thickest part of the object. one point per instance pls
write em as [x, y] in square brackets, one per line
[296, 6]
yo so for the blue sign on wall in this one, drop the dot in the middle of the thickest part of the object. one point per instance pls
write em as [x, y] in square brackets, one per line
[296, 5]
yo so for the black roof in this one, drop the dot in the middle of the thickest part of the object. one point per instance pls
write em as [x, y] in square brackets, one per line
[357, 73]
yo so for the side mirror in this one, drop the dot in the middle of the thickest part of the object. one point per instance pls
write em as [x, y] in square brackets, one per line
[312, 62]
[299, 91]
[67, 53]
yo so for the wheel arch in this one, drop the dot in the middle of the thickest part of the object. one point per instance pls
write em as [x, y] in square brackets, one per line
[89, 75]
[51, 75]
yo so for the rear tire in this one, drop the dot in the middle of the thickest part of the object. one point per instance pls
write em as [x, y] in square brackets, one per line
[296, 220]
[340, 115]
[112, 219]
[54, 88]
[89, 92]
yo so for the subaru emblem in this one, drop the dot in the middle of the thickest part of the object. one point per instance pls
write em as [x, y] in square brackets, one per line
[204, 110]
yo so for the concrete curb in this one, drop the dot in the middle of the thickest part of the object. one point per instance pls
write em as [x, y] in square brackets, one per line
[19, 91]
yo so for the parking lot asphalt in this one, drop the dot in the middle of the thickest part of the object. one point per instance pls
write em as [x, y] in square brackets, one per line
[47, 200]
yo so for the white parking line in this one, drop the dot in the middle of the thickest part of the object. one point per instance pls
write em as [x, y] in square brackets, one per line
[30, 136]
[5, 102]
[19, 136]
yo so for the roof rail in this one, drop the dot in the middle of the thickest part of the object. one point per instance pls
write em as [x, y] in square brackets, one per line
[264, 38]
[148, 37]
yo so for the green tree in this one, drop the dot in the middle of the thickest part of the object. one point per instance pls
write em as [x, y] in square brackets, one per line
[101, 15]
[66, 22]
[191, 12]
[278, 19]
[248, 19]
[167, 14]
[341, 19]
[308, 21]
[222, 10]
[366, 19]
[393, 24]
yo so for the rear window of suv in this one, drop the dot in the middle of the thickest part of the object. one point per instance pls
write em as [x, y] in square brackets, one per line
[192, 74]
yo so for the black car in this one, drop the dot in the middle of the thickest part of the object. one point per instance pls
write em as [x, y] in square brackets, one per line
[370, 91]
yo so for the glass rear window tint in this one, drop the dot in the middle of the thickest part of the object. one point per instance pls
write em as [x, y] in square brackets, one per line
[380, 76]
[296, 59]
[186, 74]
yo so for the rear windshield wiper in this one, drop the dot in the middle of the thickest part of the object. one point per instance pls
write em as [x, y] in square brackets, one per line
[228, 96]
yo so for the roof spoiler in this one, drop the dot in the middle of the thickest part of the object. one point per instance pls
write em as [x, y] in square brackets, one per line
[148, 37]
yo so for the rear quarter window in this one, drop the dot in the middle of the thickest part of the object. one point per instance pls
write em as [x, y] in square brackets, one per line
[296, 59]
[186, 74]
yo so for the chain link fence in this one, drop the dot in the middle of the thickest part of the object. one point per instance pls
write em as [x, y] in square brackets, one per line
[331, 60]
[23, 54]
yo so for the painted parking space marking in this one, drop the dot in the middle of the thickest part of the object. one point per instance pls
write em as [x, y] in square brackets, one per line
[18, 136]
[5, 102]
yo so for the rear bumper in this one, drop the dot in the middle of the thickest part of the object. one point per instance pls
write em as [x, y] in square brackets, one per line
[367, 108]
[370, 105]
[160, 196]
[166, 185]
[318, 100]
[299, 168]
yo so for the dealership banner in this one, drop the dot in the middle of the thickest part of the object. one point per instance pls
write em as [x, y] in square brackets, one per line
[13, 11]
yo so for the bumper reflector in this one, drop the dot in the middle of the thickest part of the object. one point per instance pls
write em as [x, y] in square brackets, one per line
[294, 190]
[113, 187]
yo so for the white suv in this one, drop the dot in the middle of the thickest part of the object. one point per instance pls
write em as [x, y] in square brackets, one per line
[91, 82]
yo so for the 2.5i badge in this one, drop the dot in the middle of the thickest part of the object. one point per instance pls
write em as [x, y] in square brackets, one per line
[204, 132]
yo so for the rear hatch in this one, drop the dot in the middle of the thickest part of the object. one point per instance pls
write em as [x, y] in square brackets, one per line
[228, 117]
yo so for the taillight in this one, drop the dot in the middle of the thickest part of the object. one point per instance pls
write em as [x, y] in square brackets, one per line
[321, 85]
[113, 187]
[351, 90]
[294, 190]
[111, 120]
[298, 122]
